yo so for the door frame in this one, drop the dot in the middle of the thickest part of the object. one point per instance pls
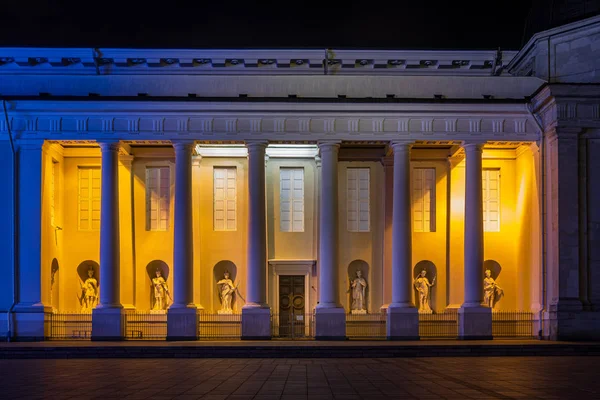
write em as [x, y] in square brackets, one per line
[290, 267]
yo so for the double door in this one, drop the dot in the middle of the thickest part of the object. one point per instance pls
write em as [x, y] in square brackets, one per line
[292, 319]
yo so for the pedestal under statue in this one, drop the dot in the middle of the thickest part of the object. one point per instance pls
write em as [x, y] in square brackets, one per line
[423, 286]
[358, 288]
[160, 294]
[227, 289]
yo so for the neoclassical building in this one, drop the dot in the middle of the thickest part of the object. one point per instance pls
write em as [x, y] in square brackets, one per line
[322, 182]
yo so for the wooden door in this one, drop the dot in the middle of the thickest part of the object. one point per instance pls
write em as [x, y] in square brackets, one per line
[291, 306]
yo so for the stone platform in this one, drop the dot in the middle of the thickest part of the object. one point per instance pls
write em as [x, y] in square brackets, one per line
[295, 349]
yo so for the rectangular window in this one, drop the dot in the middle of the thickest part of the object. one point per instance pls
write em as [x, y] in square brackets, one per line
[491, 200]
[358, 199]
[225, 198]
[423, 198]
[89, 198]
[158, 196]
[291, 199]
[53, 185]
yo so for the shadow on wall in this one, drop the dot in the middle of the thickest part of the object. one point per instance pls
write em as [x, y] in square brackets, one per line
[151, 269]
[218, 273]
[358, 265]
[494, 268]
[430, 272]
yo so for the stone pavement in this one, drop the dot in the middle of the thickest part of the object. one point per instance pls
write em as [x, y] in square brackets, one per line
[299, 379]
[295, 349]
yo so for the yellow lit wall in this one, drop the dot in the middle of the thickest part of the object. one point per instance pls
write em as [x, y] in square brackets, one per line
[365, 246]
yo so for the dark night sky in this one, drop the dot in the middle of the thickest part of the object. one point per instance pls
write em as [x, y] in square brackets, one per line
[403, 24]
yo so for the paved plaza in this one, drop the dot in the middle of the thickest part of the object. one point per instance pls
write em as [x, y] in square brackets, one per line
[295, 379]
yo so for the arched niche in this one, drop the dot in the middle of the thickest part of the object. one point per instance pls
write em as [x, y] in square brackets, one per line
[363, 266]
[218, 272]
[82, 271]
[430, 272]
[151, 269]
[494, 268]
[54, 283]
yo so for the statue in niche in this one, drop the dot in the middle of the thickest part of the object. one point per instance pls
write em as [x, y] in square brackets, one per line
[52, 280]
[492, 293]
[160, 292]
[423, 286]
[227, 288]
[358, 287]
[89, 292]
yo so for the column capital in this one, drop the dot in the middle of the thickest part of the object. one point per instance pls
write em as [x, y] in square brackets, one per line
[401, 145]
[183, 145]
[196, 160]
[473, 145]
[109, 145]
[254, 145]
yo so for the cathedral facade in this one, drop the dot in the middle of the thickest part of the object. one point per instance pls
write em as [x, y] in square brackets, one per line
[277, 185]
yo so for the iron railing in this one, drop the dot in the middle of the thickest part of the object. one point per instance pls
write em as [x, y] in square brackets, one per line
[287, 326]
[513, 324]
[70, 326]
[366, 326]
[439, 326]
[219, 326]
[145, 326]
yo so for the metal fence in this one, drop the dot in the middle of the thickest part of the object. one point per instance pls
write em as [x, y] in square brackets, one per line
[366, 326]
[439, 326]
[513, 324]
[70, 326]
[287, 326]
[145, 326]
[219, 326]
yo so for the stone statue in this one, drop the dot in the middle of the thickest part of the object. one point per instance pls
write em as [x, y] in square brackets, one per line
[424, 288]
[160, 292]
[358, 287]
[227, 288]
[89, 292]
[492, 293]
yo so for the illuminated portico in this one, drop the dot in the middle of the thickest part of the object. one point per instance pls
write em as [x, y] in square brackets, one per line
[283, 194]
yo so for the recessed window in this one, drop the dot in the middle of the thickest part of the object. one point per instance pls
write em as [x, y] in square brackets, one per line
[53, 196]
[89, 198]
[423, 199]
[358, 199]
[158, 196]
[291, 199]
[491, 200]
[225, 198]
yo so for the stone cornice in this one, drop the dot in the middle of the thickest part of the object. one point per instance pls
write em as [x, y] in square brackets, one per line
[108, 61]
[156, 121]
[574, 106]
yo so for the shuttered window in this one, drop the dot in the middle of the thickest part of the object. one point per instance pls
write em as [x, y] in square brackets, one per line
[225, 198]
[89, 198]
[423, 199]
[358, 199]
[491, 200]
[158, 196]
[291, 199]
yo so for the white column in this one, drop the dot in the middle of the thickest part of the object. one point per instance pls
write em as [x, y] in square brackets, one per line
[257, 226]
[106, 318]
[182, 317]
[256, 312]
[475, 321]
[29, 311]
[330, 316]
[403, 319]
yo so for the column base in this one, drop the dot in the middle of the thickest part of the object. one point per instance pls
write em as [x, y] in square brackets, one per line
[256, 323]
[475, 323]
[182, 323]
[402, 323]
[29, 323]
[330, 323]
[108, 324]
